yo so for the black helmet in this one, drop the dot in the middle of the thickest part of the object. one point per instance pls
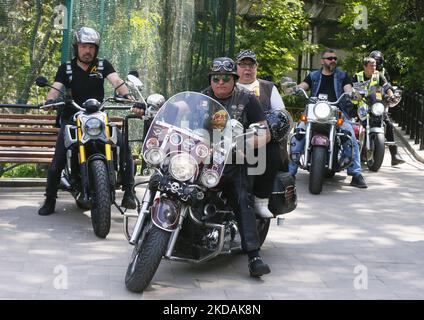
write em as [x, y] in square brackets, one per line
[378, 56]
[280, 123]
[223, 65]
[86, 35]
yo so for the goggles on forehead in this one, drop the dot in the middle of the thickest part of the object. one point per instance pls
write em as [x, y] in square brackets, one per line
[226, 65]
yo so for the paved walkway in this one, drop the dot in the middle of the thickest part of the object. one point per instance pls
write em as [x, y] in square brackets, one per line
[345, 243]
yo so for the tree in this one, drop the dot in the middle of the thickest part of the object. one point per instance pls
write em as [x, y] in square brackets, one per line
[395, 28]
[274, 30]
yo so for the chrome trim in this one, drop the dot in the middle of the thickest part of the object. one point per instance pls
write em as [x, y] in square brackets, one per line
[144, 211]
[220, 243]
[331, 138]
[176, 232]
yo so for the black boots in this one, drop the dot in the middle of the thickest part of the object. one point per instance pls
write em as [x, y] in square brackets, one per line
[358, 181]
[396, 158]
[257, 267]
[48, 207]
[128, 201]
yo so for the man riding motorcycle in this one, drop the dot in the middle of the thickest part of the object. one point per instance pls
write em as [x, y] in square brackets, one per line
[390, 129]
[244, 107]
[331, 81]
[83, 77]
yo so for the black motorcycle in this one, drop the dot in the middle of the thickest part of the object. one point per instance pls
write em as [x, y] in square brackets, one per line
[184, 214]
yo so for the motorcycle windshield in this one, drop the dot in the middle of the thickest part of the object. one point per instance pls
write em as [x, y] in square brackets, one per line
[192, 123]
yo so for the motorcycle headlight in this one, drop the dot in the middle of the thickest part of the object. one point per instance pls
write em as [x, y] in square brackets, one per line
[183, 167]
[322, 110]
[93, 127]
[377, 109]
[210, 178]
[154, 156]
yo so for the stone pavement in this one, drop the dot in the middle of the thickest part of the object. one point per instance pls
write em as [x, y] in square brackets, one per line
[345, 243]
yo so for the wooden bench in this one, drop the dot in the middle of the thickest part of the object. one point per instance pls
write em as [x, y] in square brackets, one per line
[31, 138]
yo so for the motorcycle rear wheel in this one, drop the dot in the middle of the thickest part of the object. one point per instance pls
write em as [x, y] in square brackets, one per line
[317, 170]
[101, 201]
[146, 257]
[374, 163]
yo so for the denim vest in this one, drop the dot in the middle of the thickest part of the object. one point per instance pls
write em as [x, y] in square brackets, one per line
[339, 76]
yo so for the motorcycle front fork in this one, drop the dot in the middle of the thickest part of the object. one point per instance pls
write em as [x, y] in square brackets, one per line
[144, 211]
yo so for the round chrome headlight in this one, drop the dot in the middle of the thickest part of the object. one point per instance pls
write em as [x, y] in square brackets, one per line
[154, 156]
[377, 109]
[210, 178]
[183, 167]
[93, 127]
[322, 110]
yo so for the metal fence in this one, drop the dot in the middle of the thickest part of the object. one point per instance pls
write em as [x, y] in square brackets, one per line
[410, 116]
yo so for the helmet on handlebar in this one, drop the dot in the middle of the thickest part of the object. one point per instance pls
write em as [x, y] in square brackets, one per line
[378, 56]
[280, 123]
[86, 35]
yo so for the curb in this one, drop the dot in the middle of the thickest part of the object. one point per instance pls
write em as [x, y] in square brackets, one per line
[407, 143]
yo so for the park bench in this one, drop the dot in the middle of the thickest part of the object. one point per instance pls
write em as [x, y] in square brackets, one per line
[31, 138]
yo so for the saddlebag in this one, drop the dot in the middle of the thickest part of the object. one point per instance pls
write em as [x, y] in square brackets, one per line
[283, 198]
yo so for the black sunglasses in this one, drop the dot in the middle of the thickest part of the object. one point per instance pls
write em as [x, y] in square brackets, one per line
[224, 77]
[330, 58]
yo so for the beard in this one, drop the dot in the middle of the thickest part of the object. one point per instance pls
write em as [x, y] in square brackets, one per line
[87, 58]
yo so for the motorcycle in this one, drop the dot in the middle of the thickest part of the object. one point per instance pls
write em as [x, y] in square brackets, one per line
[370, 129]
[320, 128]
[92, 167]
[184, 214]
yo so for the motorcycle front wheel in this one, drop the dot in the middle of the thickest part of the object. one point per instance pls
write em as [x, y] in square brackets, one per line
[317, 170]
[146, 258]
[376, 157]
[101, 201]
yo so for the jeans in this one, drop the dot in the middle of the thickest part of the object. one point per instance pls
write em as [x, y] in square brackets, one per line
[238, 189]
[298, 145]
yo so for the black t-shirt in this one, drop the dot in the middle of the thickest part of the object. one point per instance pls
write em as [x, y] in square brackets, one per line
[327, 85]
[253, 111]
[85, 84]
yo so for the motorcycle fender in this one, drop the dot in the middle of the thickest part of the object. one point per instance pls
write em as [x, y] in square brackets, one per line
[377, 130]
[320, 140]
[165, 213]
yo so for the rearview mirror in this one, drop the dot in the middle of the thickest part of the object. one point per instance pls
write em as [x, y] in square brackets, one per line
[135, 81]
[41, 81]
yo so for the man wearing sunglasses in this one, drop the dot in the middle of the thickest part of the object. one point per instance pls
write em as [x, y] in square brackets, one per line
[270, 99]
[333, 82]
[244, 107]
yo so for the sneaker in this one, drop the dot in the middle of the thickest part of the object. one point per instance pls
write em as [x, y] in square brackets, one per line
[358, 181]
[397, 159]
[128, 201]
[257, 267]
[48, 207]
[261, 208]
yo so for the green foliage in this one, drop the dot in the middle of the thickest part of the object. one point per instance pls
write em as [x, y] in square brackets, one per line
[275, 34]
[393, 27]
[25, 171]
[23, 54]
